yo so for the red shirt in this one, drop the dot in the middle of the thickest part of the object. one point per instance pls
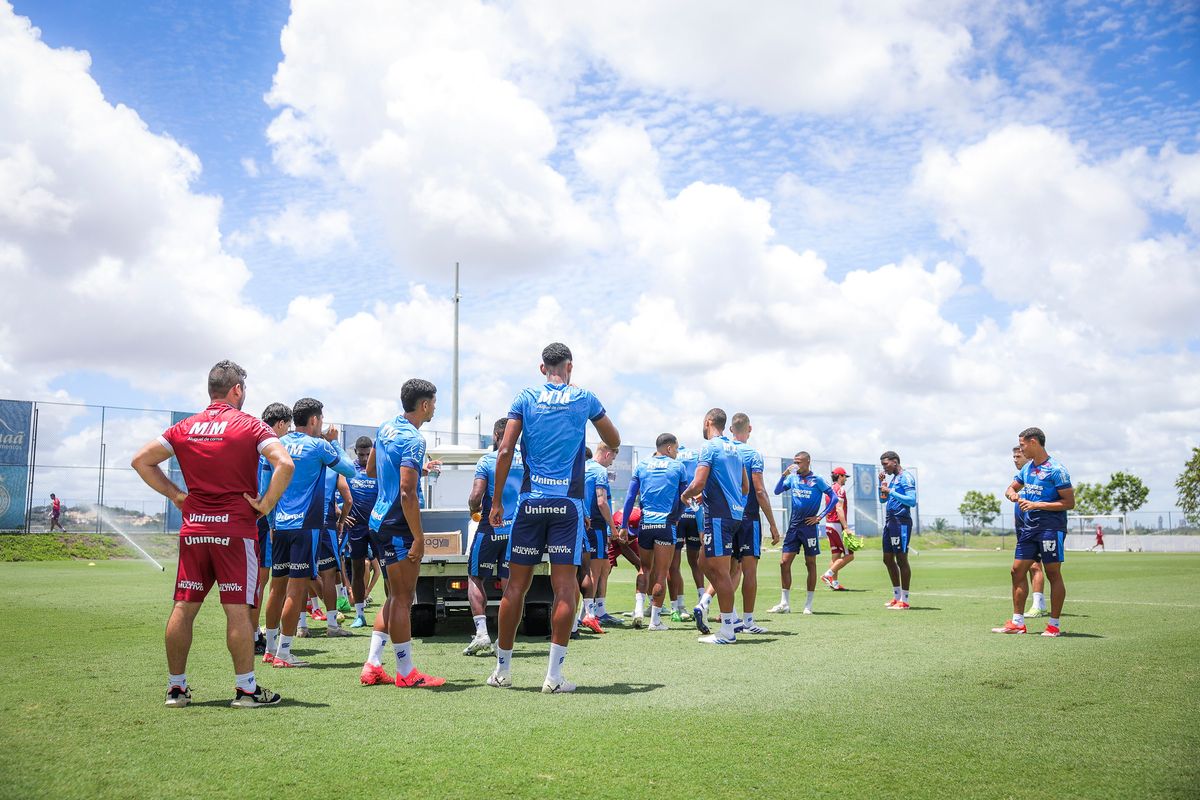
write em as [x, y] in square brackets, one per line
[56, 506]
[840, 491]
[218, 451]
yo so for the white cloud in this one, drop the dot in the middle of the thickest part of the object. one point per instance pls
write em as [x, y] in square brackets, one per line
[306, 233]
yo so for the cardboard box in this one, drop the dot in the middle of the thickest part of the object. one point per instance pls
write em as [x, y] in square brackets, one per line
[443, 543]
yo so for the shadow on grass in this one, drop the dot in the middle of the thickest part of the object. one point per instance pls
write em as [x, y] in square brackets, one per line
[1073, 635]
[331, 665]
[924, 608]
[614, 688]
[287, 701]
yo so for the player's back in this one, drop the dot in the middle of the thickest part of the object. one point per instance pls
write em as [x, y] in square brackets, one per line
[752, 460]
[659, 478]
[218, 451]
[302, 506]
[398, 444]
[554, 421]
[723, 497]
[595, 475]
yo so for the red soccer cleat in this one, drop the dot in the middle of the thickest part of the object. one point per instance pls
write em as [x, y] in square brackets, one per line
[900, 605]
[592, 624]
[374, 675]
[268, 658]
[317, 614]
[840, 588]
[827, 580]
[416, 678]
[1051, 630]
[1010, 627]
[891, 603]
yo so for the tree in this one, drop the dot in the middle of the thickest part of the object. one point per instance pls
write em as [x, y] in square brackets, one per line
[1092, 498]
[979, 509]
[1188, 486]
[940, 524]
[1126, 491]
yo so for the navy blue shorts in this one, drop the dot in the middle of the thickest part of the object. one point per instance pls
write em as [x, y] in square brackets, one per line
[895, 535]
[489, 553]
[1046, 546]
[294, 554]
[655, 533]
[748, 539]
[384, 546]
[547, 525]
[687, 533]
[597, 538]
[361, 548]
[264, 544]
[327, 551]
[802, 537]
[718, 536]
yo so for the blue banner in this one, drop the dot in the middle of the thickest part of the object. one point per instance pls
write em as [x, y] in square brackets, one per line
[868, 521]
[16, 422]
[174, 515]
[13, 484]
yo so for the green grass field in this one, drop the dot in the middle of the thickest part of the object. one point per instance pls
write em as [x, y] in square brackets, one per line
[854, 701]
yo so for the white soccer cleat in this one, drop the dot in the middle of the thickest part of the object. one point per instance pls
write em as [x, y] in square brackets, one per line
[638, 621]
[755, 628]
[782, 608]
[661, 626]
[561, 687]
[334, 633]
[808, 611]
[500, 680]
[480, 645]
[716, 638]
[178, 697]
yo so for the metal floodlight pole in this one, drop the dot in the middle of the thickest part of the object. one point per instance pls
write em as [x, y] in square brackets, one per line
[454, 395]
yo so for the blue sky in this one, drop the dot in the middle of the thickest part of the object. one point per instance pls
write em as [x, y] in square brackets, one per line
[842, 180]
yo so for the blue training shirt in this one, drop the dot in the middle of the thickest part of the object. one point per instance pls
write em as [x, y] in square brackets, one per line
[364, 491]
[902, 497]
[264, 480]
[485, 469]
[1042, 483]
[723, 497]
[398, 444]
[595, 476]
[752, 460]
[658, 480]
[302, 506]
[690, 460]
[554, 421]
[809, 495]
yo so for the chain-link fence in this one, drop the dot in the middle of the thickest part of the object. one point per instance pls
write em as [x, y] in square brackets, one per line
[1165, 531]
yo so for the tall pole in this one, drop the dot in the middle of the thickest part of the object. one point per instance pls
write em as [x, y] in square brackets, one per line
[454, 401]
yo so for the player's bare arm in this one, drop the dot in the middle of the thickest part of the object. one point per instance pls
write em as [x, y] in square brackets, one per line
[145, 464]
[608, 432]
[504, 457]
[1065, 502]
[410, 504]
[693, 492]
[764, 502]
[475, 498]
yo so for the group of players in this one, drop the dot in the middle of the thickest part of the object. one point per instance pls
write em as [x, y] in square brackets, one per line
[261, 494]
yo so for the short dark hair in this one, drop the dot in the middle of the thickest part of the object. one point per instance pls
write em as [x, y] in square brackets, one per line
[717, 415]
[890, 455]
[498, 430]
[803, 453]
[276, 412]
[1016, 448]
[52, 494]
[555, 353]
[223, 377]
[587, 451]
[363, 441]
[304, 409]
[1033, 433]
[414, 391]
[739, 422]
[665, 439]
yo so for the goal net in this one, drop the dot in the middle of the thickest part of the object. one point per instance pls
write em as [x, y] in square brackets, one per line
[1099, 532]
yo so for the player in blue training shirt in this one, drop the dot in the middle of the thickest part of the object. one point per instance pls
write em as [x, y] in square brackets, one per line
[811, 497]
[329, 550]
[489, 548]
[658, 482]
[1037, 576]
[550, 420]
[364, 491]
[397, 462]
[279, 417]
[898, 493]
[1043, 492]
[300, 519]
[687, 531]
[596, 498]
[721, 484]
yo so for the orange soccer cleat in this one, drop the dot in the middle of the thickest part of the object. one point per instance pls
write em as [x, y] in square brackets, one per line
[416, 678]
[374, 675]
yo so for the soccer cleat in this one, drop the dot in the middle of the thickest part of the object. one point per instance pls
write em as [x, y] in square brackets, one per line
[840, 588]
[561, 687]
[302, 633]
[343, 605]
[1052, 631]
[359, 622]
[374, 675]
[901, 606]
[337, 632]
[418, 679]
[716, 638]
[698, 618]
[178, 696]
[661, 626]
[479, 646]
[260, 644]
[261, 696]
[500, 680]
[753, 628]
[1038, 612]
[638, 620]
[1009, 627]
[782, 608]
[317, 614]
[593, 624]
[827, 580]
[576, 635]
[290, 661]
[677, 615]
[609, 619]
[891, 603]
[808, 611]
[268, 658]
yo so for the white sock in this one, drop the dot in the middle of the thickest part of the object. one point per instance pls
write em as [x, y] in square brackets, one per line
[896, 593]
[808, 597]
[655, 615]
[575, 623]
[639, 604]
[558, 654]
[727, 625]
[828, 573]
[360, 610]
[589, 607]
[272, 639]
[787, 597]
[1054, 621]
[601, 609]
[303, 619]
[735, 613]
[331, 620]
[699, 595]
[404, 663]
[679, 604]
[504, 660]
[177, 680]
[246, 683]
[341, 590]
[285, 647]
[1018, 619]
[904, 595]
[835, 583]
[748, 620]
[705, 602]
[1039, 601]
[378, 642]
[481, 625]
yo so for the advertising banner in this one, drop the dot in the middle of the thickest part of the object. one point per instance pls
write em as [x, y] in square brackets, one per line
[174, 515]
[868, 513]
[16, 418]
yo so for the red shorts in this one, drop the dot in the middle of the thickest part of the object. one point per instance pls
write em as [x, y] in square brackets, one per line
[228, 561]
[833, 532]
[614, 549]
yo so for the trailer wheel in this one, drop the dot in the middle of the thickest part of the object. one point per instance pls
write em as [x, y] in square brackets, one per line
[537, 619]
[424, 621]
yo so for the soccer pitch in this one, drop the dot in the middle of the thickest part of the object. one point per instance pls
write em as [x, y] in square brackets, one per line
[854, 701]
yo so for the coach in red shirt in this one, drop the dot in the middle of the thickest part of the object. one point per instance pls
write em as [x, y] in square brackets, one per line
[217, 451]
